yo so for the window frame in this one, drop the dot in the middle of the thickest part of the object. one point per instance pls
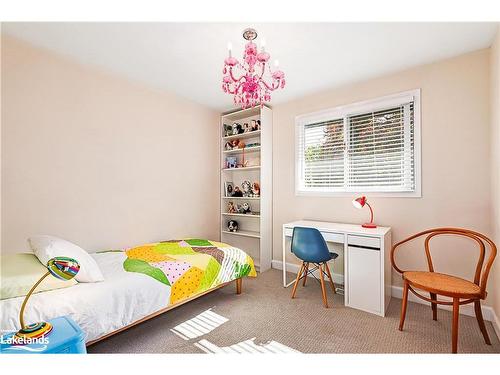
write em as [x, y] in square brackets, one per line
[353, 109]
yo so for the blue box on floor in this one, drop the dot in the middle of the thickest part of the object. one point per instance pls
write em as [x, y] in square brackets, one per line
[65, 337]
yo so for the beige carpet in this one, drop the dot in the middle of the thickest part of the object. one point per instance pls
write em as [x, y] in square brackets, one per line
[265, 312]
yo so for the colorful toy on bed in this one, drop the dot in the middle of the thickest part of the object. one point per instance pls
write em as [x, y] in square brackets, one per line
[189, 266]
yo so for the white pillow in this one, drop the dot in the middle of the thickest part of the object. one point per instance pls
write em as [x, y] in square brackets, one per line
[47, 247]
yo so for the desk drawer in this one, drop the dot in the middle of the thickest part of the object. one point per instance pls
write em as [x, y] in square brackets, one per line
[329, 237]
[368, 242]
[333, 237]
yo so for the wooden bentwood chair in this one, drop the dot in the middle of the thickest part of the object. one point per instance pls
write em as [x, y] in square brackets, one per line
[459, 290]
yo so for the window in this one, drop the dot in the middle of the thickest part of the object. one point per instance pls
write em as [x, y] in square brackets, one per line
[371, 147]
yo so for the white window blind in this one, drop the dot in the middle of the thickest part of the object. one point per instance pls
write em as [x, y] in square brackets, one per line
[369, 151]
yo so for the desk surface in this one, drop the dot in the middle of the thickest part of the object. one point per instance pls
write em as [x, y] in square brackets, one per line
[326, 226]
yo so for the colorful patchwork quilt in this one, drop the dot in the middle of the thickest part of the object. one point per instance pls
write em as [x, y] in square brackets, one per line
[189, 266]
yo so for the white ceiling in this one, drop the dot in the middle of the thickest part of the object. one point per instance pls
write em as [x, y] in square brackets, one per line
[187, 58]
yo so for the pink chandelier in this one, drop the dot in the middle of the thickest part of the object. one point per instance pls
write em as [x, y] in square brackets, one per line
[251, 81]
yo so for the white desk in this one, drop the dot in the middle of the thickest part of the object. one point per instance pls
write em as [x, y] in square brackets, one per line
[367, 267]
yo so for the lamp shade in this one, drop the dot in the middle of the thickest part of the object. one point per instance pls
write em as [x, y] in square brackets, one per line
[359, 202]
[63, 268]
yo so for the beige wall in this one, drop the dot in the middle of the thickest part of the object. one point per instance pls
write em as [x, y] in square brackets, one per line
[99, 160]
[455, 159]
[495, 163]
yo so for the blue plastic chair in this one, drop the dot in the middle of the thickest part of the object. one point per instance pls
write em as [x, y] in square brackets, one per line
[309, 245]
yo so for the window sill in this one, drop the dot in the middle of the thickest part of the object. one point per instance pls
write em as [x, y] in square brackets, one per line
[333, 194]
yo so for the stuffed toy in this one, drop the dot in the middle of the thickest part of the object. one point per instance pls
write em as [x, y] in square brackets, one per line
[237, 129]
[228, 130]
[246, 186]
[237, 192]
[256, 189]
[231, 208]
[232, 226]
[245, 208]
[231, 162]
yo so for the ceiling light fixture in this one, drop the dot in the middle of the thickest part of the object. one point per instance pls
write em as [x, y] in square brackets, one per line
[256, 80]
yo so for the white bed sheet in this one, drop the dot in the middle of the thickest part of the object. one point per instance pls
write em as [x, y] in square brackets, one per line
[98, 308]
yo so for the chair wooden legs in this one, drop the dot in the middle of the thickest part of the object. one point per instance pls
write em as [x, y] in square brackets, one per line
[454, 327]
[323, 290]
[297, 280]
[404, 302]
[434, 307]
[330, 277]
[323, 268]
[480, 321]
[305, 274]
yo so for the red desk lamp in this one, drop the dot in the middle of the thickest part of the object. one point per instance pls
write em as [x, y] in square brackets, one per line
[360, 203]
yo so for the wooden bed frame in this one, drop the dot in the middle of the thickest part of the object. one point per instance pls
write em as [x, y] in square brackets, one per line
[239, 283]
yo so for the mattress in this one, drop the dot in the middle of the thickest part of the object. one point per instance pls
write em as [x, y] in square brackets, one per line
[124, 297]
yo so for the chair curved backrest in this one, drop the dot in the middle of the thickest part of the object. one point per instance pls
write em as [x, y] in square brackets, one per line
[480, 278]
[309, 245]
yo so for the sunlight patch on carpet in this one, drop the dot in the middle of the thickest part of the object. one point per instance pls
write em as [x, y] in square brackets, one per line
[200, 325]
[245, 347]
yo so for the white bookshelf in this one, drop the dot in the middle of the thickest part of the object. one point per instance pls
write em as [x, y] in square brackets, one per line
[254, 233]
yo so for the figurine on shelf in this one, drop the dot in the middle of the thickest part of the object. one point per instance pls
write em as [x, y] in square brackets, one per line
[231, 162]
[237, 129]
[255, 144]
[237, 192]
[231, 208]
[232, 226]
[228, 146]
[253, 126]
[228, 130]
[258, 124]
[255, 189]
[246, 127]
[245, 208]
[246, 187]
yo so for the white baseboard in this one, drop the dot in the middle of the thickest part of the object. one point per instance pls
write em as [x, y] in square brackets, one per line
[496, 323]
[294, 268]
[397, 292]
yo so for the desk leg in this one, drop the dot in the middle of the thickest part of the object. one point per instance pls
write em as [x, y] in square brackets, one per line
[284, 258]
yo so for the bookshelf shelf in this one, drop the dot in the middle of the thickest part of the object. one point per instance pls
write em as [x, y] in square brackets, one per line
[241, 215]
[244, 233]
[242, 168]
[253, 134]
[243, 198]
[240, 150]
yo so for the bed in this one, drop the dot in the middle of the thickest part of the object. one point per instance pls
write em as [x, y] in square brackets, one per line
[139, 283]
